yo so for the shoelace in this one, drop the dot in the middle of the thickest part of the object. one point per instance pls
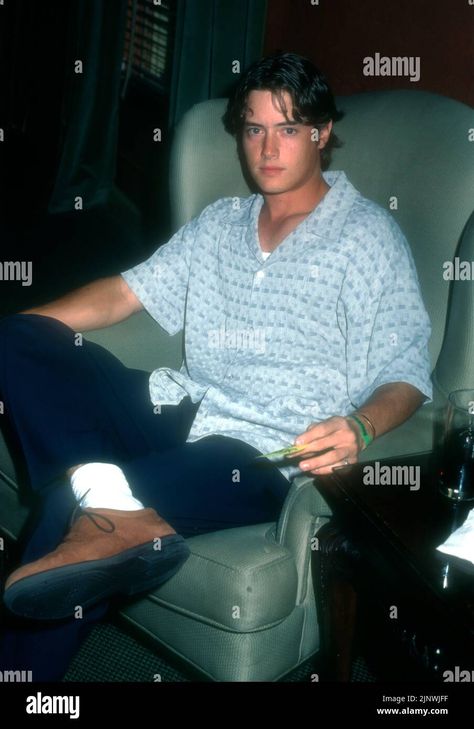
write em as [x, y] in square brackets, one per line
[92, 515]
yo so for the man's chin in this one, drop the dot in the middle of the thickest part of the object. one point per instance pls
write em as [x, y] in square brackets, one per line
[267, 189]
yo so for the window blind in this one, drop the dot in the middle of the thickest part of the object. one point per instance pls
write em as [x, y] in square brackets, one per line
[149, 42]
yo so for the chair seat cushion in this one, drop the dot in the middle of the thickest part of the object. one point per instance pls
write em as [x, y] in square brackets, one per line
[235, 579]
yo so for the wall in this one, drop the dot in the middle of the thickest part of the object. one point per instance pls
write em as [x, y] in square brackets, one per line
[338, 34]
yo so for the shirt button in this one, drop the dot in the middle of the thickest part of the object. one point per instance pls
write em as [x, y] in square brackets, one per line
[259, 276]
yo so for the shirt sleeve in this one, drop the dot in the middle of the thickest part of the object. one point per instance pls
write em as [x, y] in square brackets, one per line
[387, 326]
[161, 282]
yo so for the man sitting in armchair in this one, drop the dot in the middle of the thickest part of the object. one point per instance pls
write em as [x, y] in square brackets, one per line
[303, 325]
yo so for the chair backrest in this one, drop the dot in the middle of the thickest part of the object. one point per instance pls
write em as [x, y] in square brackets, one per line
[407, 150]
[204, 164]
[413, 148]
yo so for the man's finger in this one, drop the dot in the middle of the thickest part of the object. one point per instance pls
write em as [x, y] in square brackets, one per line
[315, 446]
[318, 430]
[335, 457]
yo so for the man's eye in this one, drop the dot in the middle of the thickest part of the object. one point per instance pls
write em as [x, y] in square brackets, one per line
[252, 131]
[290, 131]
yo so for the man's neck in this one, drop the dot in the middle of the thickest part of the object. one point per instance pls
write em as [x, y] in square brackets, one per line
[281, 214]
[295, 202]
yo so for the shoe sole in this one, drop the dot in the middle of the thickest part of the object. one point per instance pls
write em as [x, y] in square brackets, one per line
[59, 593]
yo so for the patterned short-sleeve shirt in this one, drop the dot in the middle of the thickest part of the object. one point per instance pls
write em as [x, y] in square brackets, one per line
[275, 343]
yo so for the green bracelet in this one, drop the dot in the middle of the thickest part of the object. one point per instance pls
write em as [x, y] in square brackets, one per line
[366, 437]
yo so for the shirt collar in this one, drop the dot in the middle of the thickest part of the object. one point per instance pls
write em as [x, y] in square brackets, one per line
[328, 218]
[325, 221]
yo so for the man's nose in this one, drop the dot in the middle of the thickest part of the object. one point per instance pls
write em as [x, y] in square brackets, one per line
[269, 147]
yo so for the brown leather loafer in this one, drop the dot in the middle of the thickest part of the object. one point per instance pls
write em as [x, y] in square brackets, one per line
[107, 552]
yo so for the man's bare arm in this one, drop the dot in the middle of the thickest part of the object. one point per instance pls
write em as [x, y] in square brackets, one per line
[99, 304]
[389, 406]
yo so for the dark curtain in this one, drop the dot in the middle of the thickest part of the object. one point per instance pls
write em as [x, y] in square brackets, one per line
[210, 36]
[32, 52]
[89, 117]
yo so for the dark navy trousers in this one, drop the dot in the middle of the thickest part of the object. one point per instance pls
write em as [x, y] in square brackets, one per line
[71, 402]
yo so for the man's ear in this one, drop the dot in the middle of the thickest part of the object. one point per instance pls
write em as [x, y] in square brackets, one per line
[324, 135]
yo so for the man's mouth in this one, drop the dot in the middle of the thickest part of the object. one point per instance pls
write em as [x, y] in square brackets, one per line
[271, 170]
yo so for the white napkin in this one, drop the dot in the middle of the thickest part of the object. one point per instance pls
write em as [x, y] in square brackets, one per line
[461, 542]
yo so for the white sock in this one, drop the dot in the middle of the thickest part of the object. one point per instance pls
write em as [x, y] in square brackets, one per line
[106, 485]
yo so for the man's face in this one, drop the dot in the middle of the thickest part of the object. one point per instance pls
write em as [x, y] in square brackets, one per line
[281, 155]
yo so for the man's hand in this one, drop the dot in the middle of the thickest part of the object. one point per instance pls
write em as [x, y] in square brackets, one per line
[339, 435]
[340, 438]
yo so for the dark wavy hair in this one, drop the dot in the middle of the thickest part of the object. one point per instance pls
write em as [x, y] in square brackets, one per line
[313, 100]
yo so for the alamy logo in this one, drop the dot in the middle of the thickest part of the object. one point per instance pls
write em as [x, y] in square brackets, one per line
[252, 339]
[17, 271]
[458, 270]
[378, 475]
[379, 65]
[16, 676]
[44, 704]
[458, 675]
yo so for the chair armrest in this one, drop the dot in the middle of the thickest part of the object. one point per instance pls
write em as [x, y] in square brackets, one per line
[455, 367]
[241, 566]
[415, 435]
[303, 514]
[305, 511]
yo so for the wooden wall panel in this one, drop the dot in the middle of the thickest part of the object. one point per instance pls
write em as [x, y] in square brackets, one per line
[338, 34]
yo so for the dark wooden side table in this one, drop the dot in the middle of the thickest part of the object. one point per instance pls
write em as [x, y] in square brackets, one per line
[377, 573]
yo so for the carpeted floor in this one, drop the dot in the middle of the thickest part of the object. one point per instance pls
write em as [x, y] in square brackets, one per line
[110, 654]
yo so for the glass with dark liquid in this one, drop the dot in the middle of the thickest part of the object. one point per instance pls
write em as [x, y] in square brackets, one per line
[456, 473]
